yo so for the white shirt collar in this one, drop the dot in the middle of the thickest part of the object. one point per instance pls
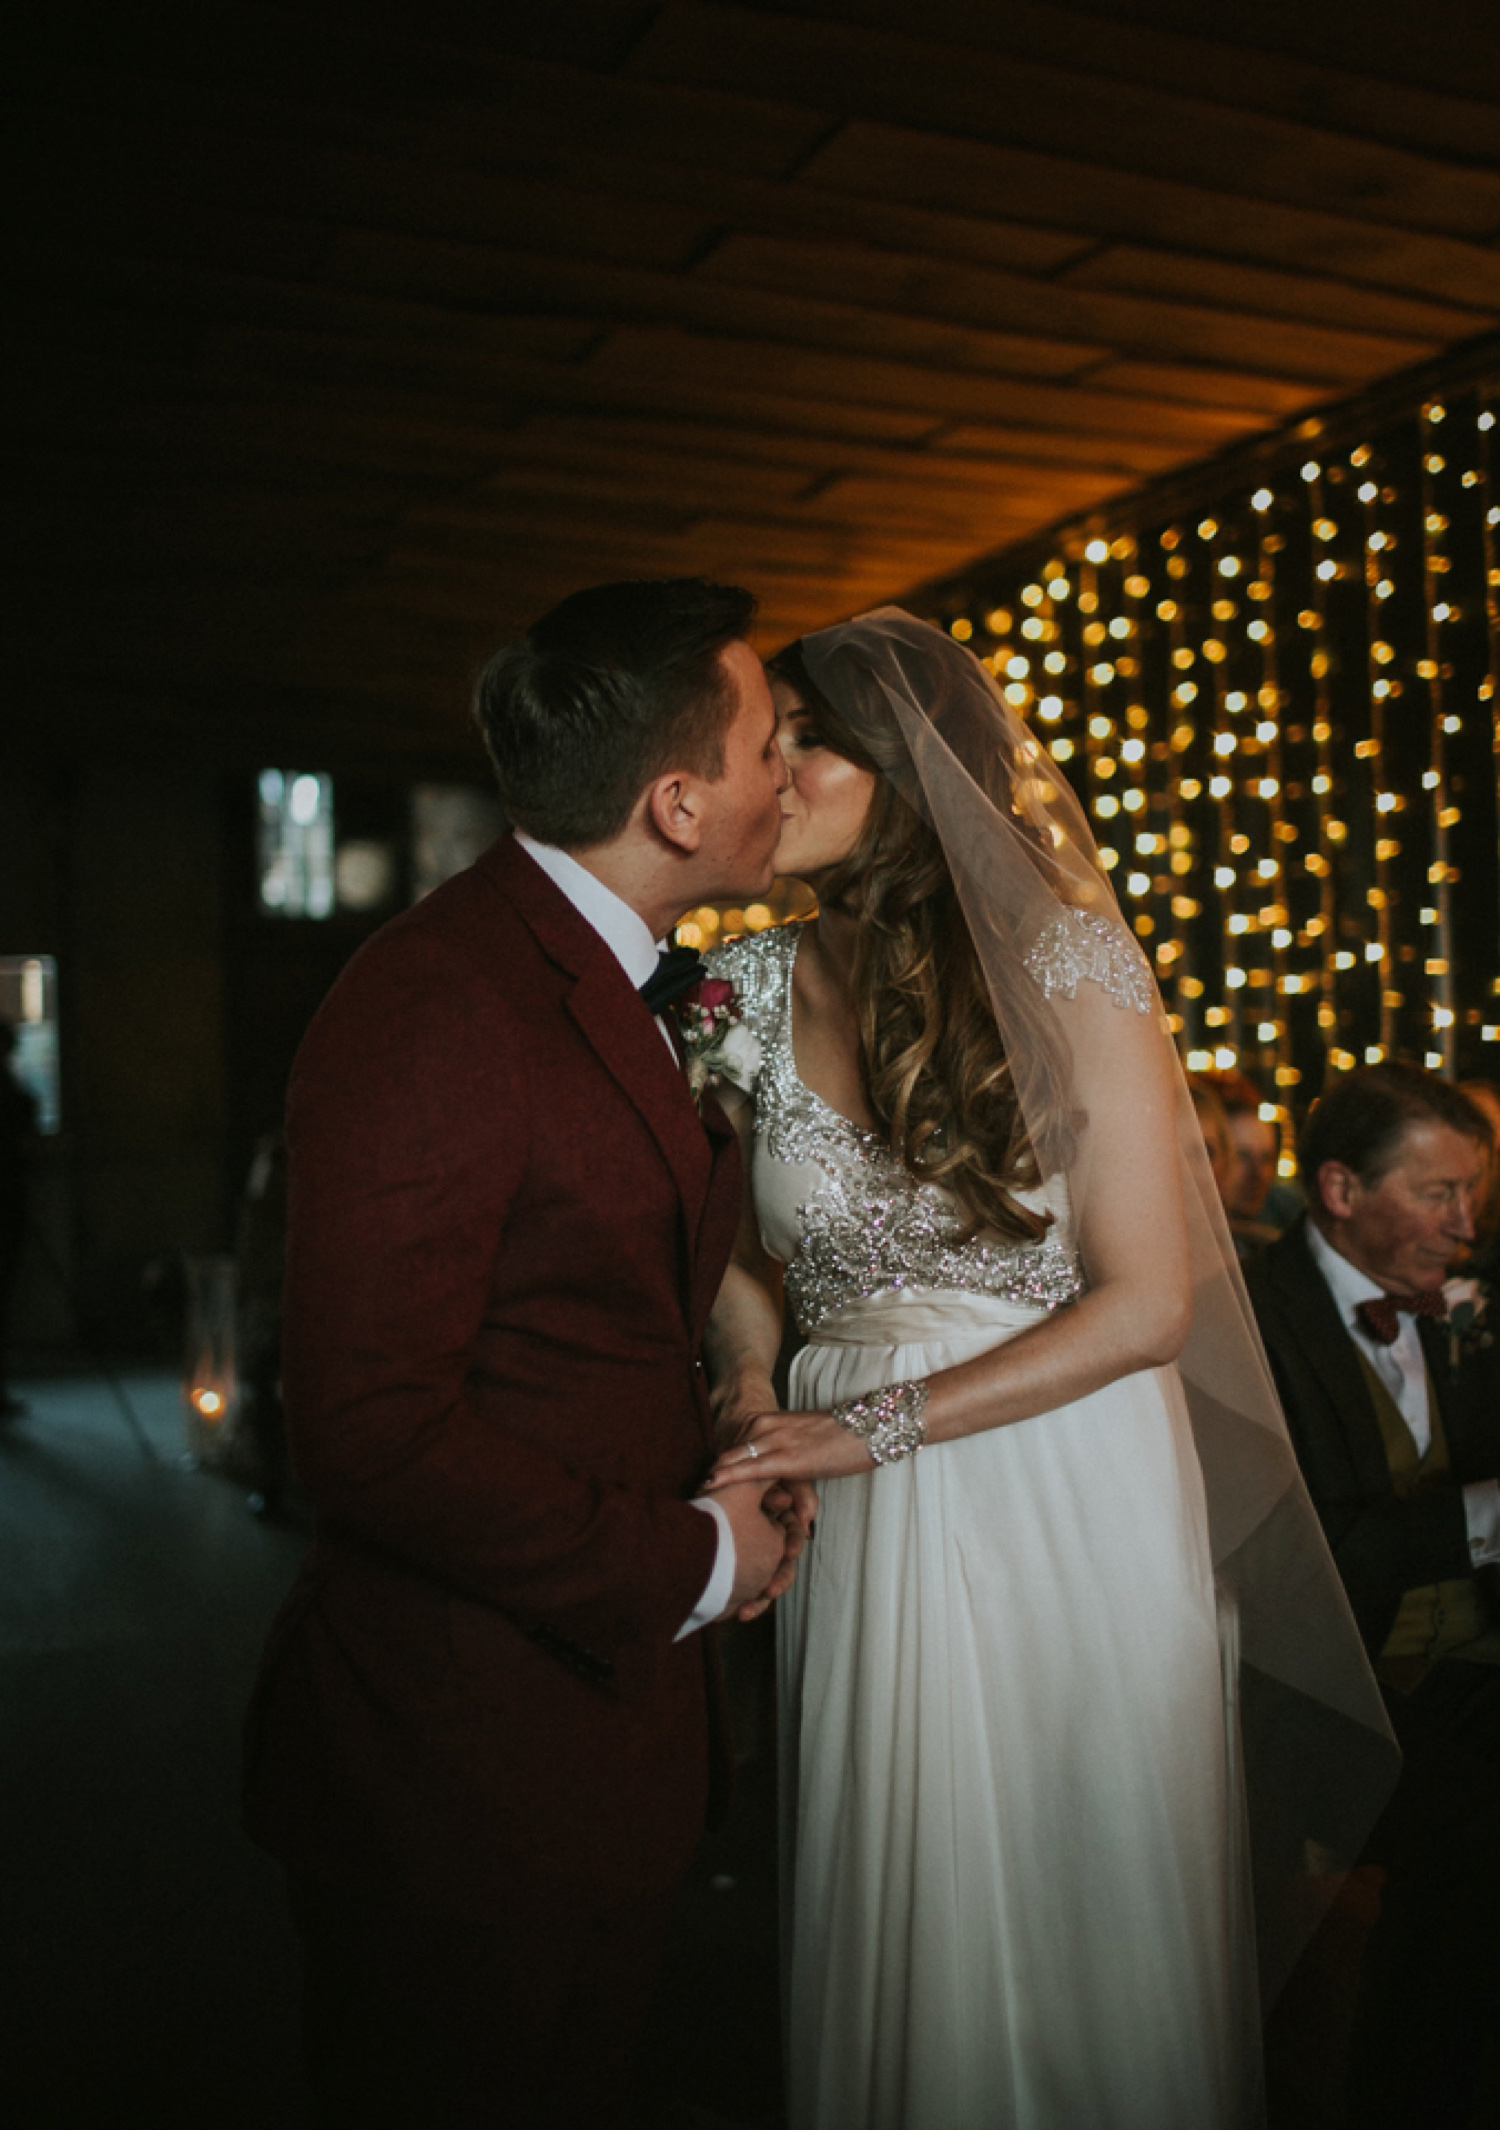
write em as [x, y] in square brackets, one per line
[622, 929]
[1348, 1285]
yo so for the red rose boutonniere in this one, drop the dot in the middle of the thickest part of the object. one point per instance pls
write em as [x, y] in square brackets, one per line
[718, 1043]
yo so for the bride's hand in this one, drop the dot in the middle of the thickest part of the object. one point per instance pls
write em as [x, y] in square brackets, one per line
[791, 1446]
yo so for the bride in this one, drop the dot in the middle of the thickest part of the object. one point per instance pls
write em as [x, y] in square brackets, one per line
[1035, 1686]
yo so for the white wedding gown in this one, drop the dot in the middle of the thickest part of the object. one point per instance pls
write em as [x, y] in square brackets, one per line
[1009, 1805]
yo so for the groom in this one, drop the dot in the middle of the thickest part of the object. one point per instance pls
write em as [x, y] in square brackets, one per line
[487, 1723]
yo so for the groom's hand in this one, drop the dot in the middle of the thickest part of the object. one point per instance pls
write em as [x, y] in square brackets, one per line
[760, 1545]
[794, 1504]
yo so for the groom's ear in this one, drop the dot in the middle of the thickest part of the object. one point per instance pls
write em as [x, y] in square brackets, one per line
[675, 809]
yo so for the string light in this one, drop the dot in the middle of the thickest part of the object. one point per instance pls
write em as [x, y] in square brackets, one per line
[1283, 717]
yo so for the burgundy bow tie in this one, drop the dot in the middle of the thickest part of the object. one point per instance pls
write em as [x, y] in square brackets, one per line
[1381, 1318]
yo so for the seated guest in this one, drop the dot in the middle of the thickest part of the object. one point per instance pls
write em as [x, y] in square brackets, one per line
[1259, 1205]
[1394, 1407]
[1483, 1261]
[1214, 1125]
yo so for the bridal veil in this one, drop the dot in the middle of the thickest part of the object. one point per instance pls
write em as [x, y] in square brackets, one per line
[1316, 1755]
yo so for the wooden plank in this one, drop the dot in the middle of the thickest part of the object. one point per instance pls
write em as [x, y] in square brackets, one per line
[1273, 399]
[190, 191]
[378, 92]
[865, 496]
[975, 177]
[1338, 96]
[942, 394]
[596, 542]
[495, 604]
[1065, 306]
[1450, 49]
[410, 175]
[795, 210]
[622, 377]
[90, 283]
[579, 527]
[580, 33]
[1111, 123]
[985, 441]
[485, 276]
[1263, 292]
[305, 435]
[407, 289]
[1081, 458]
[922, 482]
[686, 482]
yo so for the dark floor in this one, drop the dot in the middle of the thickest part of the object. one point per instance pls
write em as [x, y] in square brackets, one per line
[150, 1973]
[149, 1970]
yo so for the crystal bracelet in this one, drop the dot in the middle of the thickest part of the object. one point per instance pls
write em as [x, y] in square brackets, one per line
[891, 1421]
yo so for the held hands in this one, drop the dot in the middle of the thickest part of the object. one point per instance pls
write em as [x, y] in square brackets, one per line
[769, 1535]
[790, 1506]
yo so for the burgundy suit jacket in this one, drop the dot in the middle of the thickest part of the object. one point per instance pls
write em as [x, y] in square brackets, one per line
[507, 1227]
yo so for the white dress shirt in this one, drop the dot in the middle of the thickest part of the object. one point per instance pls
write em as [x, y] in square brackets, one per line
[628, 938]
[1402, 1368]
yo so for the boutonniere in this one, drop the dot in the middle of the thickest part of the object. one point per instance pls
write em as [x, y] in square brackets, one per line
[1468, 1319]
[718, 1043]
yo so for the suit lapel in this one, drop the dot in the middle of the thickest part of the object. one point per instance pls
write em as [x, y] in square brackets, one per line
[605, 1007]
[720, 1218]
[1328, 1347]
[629, 1045]
[1459, 1392]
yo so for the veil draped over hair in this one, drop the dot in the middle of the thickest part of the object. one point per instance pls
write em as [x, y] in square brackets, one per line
[1316, 1753]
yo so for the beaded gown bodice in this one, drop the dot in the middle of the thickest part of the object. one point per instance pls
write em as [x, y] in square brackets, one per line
[835, 1206]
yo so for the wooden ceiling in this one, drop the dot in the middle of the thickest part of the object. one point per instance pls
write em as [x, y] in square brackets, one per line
[355, 334]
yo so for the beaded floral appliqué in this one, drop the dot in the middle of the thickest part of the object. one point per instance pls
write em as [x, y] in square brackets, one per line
[870, 1228]
[1080, 946]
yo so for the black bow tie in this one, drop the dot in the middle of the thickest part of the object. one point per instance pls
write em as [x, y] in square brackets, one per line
[677, 970]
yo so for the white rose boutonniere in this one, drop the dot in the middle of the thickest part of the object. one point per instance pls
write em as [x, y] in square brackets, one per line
[719, 1044]
[1468, 1319]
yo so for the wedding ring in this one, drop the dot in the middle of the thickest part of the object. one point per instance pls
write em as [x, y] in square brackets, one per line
[751, 1450]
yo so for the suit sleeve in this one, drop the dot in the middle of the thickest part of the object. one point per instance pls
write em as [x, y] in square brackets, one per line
[407, 1127]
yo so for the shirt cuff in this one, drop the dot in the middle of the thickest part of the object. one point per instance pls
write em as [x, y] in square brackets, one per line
[720, 1585]
[1482, 1514]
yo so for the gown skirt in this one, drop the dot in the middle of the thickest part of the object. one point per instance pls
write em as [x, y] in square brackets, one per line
[1012, 1856]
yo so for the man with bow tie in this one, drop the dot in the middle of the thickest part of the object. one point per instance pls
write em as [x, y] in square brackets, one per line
[488, 1723]
[1392, 1394]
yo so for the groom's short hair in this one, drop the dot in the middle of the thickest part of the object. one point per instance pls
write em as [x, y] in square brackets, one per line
[604, 693]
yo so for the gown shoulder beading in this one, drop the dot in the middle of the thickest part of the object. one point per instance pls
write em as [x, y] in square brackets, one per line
[853, 1221]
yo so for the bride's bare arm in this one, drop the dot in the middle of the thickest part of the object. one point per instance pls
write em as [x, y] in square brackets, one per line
[1133, 1240]
[740, 1343]
[743, 1336]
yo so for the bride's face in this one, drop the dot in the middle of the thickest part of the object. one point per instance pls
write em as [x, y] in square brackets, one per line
[827, 798]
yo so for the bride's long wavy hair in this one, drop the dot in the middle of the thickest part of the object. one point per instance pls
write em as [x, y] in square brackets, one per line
[934, 1068]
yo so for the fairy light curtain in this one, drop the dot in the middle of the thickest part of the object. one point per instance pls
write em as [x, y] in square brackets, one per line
[1281, 715]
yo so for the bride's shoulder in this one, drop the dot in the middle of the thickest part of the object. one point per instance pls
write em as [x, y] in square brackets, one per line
[758, 965]
[1085, 946]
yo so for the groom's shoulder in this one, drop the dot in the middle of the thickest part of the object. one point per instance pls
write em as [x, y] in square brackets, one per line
[464, 938]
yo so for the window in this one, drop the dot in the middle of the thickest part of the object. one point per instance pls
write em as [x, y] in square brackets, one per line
[450, 825]
[28, 1000]
[296, 844]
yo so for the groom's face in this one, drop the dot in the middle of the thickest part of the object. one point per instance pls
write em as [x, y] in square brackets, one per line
[743, 822]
